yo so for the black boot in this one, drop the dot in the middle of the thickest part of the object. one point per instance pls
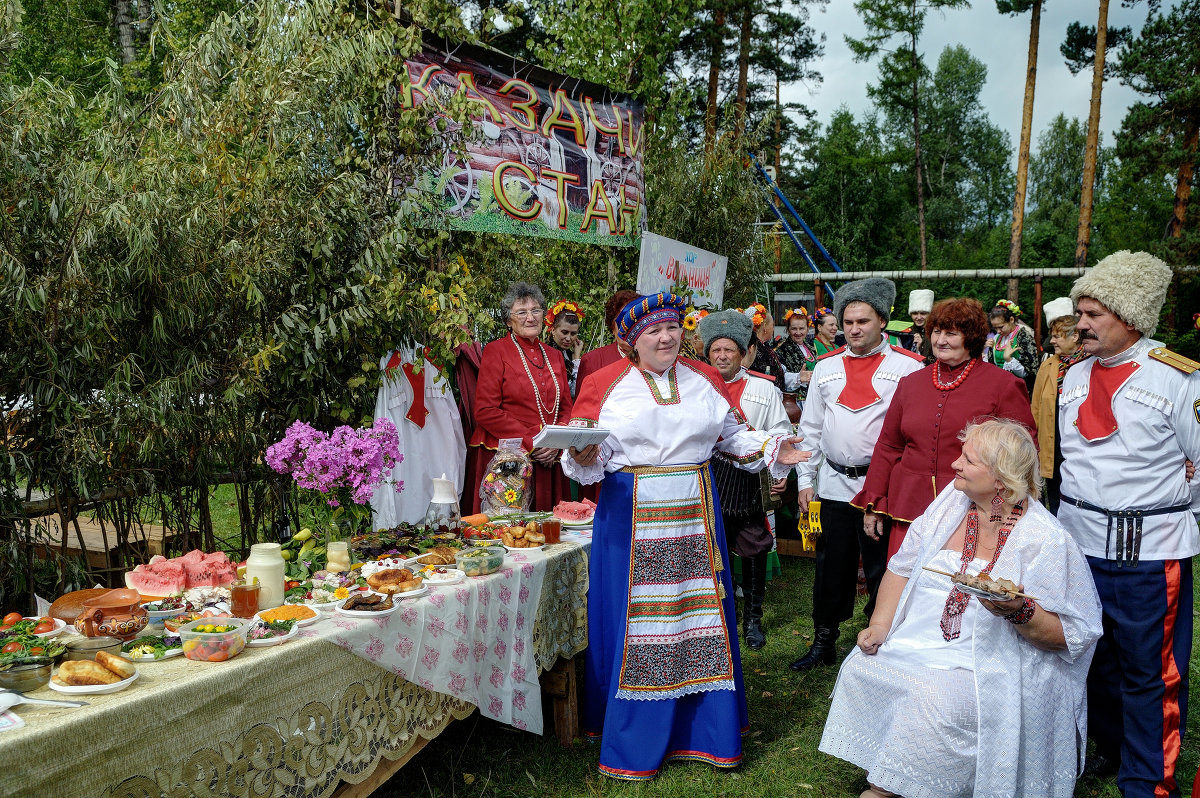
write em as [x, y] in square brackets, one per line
[822, 652]
[755, 569]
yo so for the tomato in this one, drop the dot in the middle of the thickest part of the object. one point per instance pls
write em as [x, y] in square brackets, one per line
[43, 627]
[37, 651]
[13, 617]
[9, 648]
[5, 627]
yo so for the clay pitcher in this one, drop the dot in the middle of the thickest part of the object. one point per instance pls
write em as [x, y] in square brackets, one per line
[118, 613]
[791, 406]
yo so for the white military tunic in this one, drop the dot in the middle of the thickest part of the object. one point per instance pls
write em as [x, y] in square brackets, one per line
[1138, 466]
[836, 431]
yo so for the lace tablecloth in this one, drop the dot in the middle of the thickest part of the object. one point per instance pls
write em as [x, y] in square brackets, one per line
[293, 719]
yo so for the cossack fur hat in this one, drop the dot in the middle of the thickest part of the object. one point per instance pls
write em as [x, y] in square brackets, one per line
[1057, 308]
[877, 292]
[920, 301]
[1132, 285]
[730, 324]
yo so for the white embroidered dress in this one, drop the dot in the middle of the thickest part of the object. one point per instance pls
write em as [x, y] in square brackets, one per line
[1028, 735]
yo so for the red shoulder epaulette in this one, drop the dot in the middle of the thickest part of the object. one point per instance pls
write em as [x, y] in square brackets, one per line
[837, 351]
[760, 374]
[904, 351]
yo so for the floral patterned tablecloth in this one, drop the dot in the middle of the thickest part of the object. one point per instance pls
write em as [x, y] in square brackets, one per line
[299, 718]
[471, 640]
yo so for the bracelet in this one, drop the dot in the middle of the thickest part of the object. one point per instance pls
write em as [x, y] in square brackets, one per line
[1023, 615]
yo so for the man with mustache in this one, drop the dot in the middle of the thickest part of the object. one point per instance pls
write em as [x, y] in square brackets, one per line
[1129, 417]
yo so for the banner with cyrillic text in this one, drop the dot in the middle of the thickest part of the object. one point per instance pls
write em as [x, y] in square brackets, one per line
[546, 155]
[669, 265]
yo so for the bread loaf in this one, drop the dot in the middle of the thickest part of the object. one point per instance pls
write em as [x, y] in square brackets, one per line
[68, 606]
[84, 673]
[118, 665]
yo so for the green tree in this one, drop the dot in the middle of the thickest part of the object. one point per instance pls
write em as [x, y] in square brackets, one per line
[898, 24]
[1161, 133]
[967, 174]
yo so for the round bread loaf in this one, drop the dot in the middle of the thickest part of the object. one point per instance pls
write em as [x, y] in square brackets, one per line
[69, 605]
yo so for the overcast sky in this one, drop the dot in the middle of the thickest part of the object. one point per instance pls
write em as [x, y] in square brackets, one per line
[1001, 42]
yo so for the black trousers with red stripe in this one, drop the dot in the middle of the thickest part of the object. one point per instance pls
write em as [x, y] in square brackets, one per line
[1138, 684]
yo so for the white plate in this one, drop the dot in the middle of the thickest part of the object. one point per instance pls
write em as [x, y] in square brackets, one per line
[974, 591]
[421, 591]
[525, 548]
[451, 576]
[273, 641]
[305, 622]
[59, 625]
[375, 613]
[158, 615]
[324, 605]
[171, 652]
[94, 689]
[584, 522]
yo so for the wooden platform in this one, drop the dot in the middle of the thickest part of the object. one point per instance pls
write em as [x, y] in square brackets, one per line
[151, 539]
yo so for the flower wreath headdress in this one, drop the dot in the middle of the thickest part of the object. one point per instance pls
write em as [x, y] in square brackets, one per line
[821, 313]
[561, 306]
[691, 320]
[1012, 307]
[801, 312]
[757, 312]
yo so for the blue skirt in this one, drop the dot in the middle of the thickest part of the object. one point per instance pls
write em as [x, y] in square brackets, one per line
[639, 736]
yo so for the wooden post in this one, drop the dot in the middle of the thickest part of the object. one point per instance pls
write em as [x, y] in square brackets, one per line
[818, 293]
[1037, 312]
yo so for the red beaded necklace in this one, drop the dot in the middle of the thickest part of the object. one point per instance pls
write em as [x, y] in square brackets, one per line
[950, 386]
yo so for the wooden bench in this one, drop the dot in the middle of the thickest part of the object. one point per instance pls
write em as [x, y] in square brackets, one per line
[153, 537]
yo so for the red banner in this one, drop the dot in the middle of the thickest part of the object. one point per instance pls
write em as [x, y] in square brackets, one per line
[546, 155]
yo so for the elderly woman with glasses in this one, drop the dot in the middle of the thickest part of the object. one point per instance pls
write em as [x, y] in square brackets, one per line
[523, 386]
[967, 686]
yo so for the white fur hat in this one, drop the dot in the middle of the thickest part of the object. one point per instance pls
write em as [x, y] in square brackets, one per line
[1057, 308]
[1132, 285]
[920, 301]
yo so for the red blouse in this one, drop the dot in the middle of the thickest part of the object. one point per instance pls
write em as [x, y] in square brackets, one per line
[594, 361]
[505, 403]
[919, 441]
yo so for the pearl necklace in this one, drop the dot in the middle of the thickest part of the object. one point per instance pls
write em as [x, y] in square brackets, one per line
[949, 386]
[537, 395]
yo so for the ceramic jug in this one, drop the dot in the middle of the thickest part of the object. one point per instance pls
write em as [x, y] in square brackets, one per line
[118, 613]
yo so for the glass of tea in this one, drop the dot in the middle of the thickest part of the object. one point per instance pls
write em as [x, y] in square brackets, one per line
[245, 599]
[552, 529]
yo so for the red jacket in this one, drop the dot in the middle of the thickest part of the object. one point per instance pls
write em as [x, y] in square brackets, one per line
[504, 398]
[919, 441]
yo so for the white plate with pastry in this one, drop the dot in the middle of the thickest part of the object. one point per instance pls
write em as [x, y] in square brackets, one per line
[93, 689]
[107, 673]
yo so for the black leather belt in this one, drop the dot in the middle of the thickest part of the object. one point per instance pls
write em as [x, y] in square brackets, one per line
[854, 472]
[1129, 527]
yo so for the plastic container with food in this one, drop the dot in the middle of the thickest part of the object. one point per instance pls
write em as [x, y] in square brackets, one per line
[214, 639]
[480, 560]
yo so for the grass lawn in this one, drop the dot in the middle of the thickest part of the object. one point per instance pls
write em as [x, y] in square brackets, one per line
[479, 757]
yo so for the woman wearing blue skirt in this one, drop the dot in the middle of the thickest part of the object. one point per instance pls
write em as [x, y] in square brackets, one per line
[663, 677]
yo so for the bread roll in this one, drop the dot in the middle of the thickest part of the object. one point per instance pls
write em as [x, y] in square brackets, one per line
[84, 673]
[118, 665]
[68, 606]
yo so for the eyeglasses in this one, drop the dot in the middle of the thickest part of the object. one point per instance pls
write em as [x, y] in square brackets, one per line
[528, 314]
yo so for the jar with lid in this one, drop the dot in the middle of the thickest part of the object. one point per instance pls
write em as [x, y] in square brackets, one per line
[266, 564]
[443, 513]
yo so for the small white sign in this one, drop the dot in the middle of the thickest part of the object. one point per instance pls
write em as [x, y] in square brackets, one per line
[666, 263]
